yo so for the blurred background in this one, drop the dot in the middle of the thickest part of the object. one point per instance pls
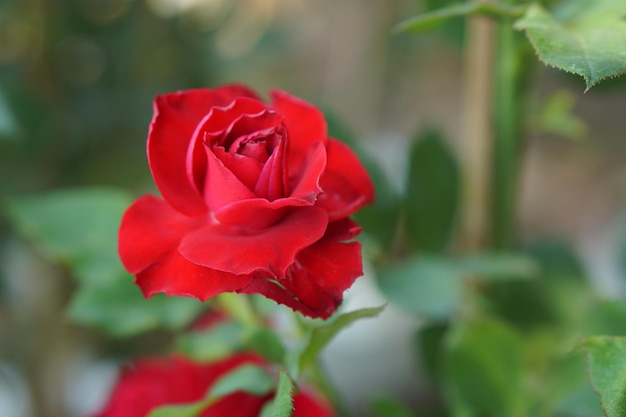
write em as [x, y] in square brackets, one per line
[77, 78]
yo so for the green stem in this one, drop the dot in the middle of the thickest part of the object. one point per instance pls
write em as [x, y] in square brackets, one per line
[506, 135]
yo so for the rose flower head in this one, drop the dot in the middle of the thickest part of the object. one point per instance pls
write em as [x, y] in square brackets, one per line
[154, 382]
[256, 199]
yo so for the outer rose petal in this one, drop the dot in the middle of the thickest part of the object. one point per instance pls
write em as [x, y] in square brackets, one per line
[315, 283]
[175, 119]
[150, 231]
[346, 184]
[267, 251]
[175, 275]
[149, 237]
[305, 124]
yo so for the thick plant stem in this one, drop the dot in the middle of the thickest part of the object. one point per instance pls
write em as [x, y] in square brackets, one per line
[477, 132]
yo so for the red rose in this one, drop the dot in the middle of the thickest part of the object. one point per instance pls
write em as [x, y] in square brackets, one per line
[256, 199]
[151, 383]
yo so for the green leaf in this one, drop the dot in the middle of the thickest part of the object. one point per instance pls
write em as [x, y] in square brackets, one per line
[388, 407]
[186, 410]
[499, 266]
[589, 42]
[9, 126]
[324, 333]
[484, 369]
[432, 193]
[431, 20]
[427, 286]
[606, 358]
[249, 378]
[120, 309]
[607, 318]
[282, 404]
[77, 227]
[429, 341]
[265, 342]
[431, 286]
[211, 345]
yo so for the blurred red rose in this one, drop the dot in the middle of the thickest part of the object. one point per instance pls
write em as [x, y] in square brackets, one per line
[151, 383]
[256, 199]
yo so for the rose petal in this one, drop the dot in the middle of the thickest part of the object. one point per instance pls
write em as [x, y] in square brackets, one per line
[305, 124]
[272, 181]
[175, 119]
[304, 181]
[306, 404]
[222, 186]
[260, 212]
[315, 282]
[256, 213]
[175, 275]
[246, 170]
[149, 237]
[331, 262]
[273, 290]
[346, 184]
[149, 231]
[212, 129]
[267, 251]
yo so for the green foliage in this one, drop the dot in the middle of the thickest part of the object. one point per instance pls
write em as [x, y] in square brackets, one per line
[282, 403]
[118, 308]
[322, 334]
[558, 293]
[429, 341]
[78, 228]
[588, 40]
[249, 378]
[435, 18]
[223, 339]
[432, 286]
[427, 286]
[557, 116]
[187, 410]
[387, 407]
[484, 370]
[211, 345]
[606, 357]
[432, 193]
